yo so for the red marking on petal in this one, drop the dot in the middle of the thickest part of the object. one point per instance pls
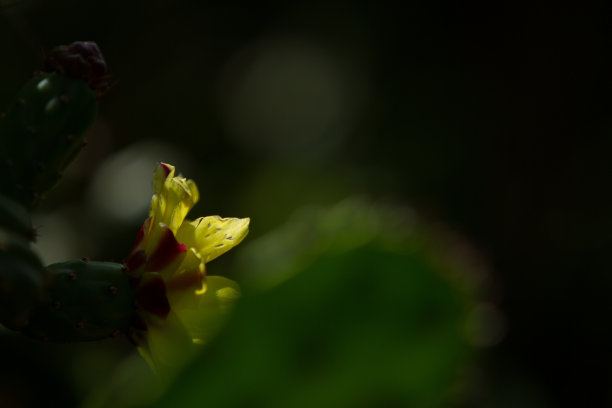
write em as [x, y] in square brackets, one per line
[166, 167]
[138, 323]
[186, 280]
[135, 260]
[168, 249]
[151, 296]
[141, 234]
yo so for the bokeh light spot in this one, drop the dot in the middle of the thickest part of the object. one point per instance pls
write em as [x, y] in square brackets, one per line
[287, 97]
[121, 188]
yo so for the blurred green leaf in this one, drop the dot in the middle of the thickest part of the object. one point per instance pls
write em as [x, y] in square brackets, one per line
[369, 316]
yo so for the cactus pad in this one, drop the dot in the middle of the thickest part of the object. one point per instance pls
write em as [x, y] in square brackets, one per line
[84, 301]
[22, 279]
[43, 130]
[42, 133]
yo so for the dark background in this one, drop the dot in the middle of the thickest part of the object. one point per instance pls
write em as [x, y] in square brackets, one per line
[491, 119]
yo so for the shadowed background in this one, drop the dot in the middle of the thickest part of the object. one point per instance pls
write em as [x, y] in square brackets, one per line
[491, 121]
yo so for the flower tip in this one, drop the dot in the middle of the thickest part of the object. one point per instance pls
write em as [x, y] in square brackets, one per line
[161, 173]
[241, 228]
[167, 168]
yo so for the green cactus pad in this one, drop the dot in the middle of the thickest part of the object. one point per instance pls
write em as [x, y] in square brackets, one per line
[84, 301]
[42, 133]
[22, 278]
[15, 218]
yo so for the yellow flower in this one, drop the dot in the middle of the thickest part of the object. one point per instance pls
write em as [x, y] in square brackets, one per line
[179, 306]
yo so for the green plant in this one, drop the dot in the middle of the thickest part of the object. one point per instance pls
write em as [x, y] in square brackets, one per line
[157, 297]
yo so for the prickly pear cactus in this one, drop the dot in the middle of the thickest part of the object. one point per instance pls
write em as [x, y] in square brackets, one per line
[40, 135]
[43, 130]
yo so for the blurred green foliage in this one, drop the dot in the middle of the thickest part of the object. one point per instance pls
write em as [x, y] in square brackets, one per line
[371, 312]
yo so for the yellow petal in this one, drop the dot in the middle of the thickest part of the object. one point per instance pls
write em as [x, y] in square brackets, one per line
[188, 276]
[213, 236]
[172, 199]
[168, 345]
[176, 198]
[203, 314]
[161, 173]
